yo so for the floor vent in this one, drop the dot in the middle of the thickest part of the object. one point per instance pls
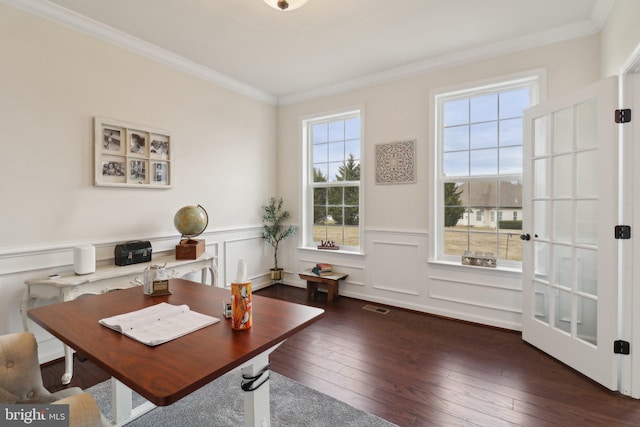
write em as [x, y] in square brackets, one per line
[375, 309]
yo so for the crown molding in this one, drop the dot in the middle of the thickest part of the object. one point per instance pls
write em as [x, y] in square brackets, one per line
[568, 32]
[96, 29]
[70, 19]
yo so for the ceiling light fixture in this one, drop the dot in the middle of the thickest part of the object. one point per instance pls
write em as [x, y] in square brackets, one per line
[285, 5]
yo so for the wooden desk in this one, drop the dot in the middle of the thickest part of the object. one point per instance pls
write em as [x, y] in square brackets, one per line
[332, 282]
[106, 278]
[170, 371]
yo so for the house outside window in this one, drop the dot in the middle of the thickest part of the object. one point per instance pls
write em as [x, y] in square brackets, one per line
[332, 195]
[479, 136]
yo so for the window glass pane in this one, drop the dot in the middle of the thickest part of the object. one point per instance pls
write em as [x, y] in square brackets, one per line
[320, 153]
[456, 163]
[586, 180]
[456, 138]
[563, 220]
[335, 215]
[352, 128]
[563, 176]
[483, 244]
[511, 160]
[352, 148]
[456, 112]
[334, 171]
[484, 162]
[484, 135]
[320, 172]
[336, 131]
[335, 195]
[587, 222]
[320, 133]
[351, 216]
[587, 328]
[541, 183]
[351, 196]
[319, 205]
[587, 124]
[541, 136]
[510, 245]
[484, 108]
[336, 151]
[562, 266]
[456, 242]
[563, 130]
[510, 132]
[513, 102]
[587, 271]
[350, 171]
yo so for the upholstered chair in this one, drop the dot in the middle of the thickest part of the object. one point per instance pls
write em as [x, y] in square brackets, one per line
[21, 382]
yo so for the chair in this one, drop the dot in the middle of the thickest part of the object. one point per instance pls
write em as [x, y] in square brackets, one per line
[21, 382]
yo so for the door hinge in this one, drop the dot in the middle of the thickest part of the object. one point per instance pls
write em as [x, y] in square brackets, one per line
[622, 232]
[621, 347]
[623, 115]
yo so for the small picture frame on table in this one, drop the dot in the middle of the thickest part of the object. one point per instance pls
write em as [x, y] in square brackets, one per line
[131, 155]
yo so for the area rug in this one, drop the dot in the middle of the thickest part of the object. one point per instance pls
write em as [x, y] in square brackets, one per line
[220, 404]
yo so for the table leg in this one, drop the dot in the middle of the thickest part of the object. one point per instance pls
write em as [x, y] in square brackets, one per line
[68, 365]
[332, 289]
[122, 410]
[255, 384]
[312, 287]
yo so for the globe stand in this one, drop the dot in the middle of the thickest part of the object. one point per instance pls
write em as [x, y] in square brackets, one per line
[190, 248]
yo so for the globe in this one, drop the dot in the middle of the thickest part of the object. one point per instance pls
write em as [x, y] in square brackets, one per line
[191, 221]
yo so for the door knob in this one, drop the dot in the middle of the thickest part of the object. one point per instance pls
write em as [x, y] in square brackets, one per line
[525, 236]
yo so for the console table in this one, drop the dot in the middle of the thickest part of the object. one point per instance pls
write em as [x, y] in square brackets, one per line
[106, 278]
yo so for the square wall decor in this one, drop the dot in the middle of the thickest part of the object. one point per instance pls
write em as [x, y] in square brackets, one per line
[129, 155]
[396, 162]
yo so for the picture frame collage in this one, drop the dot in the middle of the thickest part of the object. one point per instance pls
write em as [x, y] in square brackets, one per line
[130, 155]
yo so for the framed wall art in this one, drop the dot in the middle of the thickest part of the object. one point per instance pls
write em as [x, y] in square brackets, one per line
[396, 162]
[129, 155]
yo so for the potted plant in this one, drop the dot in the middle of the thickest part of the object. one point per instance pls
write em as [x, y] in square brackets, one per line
[275, 230]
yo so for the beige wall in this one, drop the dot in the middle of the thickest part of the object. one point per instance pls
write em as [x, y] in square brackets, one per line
[400, 110]
[55, 80]
[620, 36]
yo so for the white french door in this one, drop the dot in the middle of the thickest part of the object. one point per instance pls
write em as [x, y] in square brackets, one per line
[570, 271]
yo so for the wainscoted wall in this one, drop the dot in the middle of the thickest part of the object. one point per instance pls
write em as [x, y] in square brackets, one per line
[395, 270]
[21, 264]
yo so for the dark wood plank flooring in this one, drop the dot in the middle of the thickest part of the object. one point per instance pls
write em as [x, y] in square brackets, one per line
[415, 369]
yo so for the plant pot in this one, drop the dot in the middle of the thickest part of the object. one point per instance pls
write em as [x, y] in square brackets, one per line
[276, 273]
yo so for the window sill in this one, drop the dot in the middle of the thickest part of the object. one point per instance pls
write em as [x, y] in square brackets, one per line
[331, 251]
[510, 271]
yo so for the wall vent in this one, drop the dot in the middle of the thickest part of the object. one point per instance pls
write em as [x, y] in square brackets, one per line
[375, 309]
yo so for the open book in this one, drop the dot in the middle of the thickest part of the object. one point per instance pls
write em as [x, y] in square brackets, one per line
[159, 323]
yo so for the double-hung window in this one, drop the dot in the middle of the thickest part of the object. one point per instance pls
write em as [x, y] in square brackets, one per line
[479, 136]
[332, 196]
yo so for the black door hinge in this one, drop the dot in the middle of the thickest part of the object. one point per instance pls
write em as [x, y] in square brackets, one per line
[621, 347]
[622, 232]
[623, 115]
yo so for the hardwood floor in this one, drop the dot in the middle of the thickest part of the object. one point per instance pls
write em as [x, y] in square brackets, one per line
[415, 369]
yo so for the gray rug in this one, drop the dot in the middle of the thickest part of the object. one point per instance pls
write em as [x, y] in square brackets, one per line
[220, 404]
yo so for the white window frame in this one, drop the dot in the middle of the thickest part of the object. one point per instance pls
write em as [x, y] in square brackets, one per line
[308, 184]
[537, 78]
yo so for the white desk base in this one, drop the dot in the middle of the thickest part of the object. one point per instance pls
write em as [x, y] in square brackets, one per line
[257, 409]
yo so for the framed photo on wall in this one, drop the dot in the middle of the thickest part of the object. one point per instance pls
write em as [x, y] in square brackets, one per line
[130, 155]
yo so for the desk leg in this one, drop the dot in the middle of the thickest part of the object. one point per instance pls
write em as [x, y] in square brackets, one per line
[68, 365]
[122, 410]
[257, 410]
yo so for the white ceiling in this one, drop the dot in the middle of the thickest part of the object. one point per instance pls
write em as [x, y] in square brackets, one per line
[327, 45]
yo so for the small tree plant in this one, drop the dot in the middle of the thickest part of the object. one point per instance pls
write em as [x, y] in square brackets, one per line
[275, 230]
